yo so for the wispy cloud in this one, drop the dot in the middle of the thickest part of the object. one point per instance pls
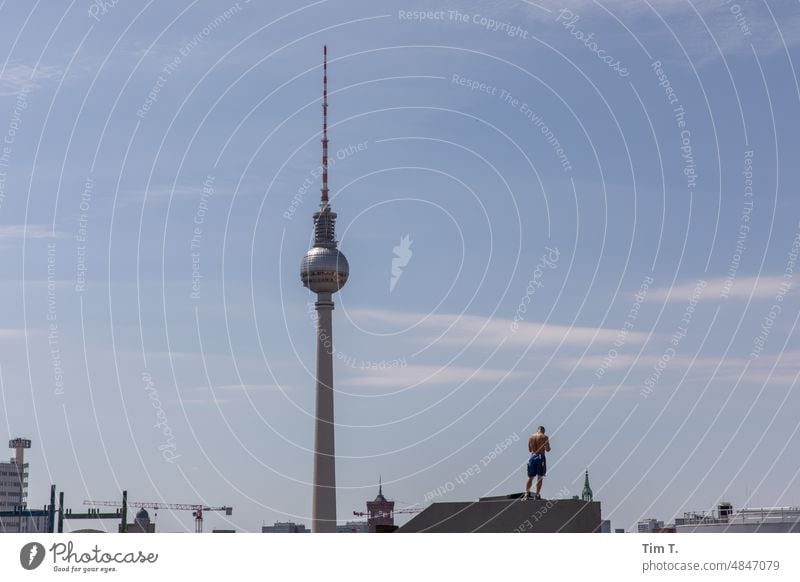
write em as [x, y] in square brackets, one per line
[459, 329]
[17, 231]
[14, 333]
[423, 375]
[773, 369]
[599, 391]
[625, 361]
[735, 28]
[180, 193]
[17, 77]
[779, 368]
[626, 5]
[741, 288]
[241, 388]
[200, 401]
[172, 355]
[225, 393]
[165, 191]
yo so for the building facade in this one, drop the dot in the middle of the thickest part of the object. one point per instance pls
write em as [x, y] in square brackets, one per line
[353, 527]
[649, 525]
[284, 527]
[14, 491]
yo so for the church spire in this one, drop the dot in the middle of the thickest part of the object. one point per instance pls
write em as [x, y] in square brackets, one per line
[587, 490]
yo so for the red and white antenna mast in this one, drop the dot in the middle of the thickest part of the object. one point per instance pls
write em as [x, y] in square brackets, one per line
[325, 125]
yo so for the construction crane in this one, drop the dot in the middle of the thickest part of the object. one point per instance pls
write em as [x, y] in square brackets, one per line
[389, 513]
[380, 512]
[197, 509]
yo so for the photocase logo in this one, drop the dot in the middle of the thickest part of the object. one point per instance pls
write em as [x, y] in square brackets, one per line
[31, 555]
[402, 255]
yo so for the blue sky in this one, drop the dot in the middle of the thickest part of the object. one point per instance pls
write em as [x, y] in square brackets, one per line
[600, 199]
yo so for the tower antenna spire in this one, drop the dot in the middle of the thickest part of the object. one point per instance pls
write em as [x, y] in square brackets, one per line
[324, 200]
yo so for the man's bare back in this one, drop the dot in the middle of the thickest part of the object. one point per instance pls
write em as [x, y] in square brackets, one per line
[538, 443]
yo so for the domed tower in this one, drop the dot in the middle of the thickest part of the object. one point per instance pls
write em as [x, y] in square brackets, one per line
[324, 270]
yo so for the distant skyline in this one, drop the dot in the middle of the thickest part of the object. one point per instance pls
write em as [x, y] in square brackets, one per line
[577, 214]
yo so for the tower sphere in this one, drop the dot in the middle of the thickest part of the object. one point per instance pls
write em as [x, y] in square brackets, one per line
[324, 269]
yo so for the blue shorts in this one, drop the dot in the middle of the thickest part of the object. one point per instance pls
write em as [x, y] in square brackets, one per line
[537, 465]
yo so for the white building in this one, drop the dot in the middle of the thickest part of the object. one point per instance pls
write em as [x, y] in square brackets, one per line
[648, 525]
[745, 520]
[284, 527]
[14, 490]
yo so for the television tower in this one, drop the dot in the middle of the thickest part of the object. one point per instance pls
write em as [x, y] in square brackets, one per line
[324, 270]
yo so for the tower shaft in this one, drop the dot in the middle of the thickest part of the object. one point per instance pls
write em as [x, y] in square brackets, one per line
[323, 504]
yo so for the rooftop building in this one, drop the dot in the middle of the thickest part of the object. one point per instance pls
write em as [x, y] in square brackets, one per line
[353, 527]
[510, 514]
[649, 525]
[14, 491]
[746, 520]
[141, 523]
[284, 527]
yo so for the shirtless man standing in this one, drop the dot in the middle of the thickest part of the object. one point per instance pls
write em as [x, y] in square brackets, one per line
[538, 445]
